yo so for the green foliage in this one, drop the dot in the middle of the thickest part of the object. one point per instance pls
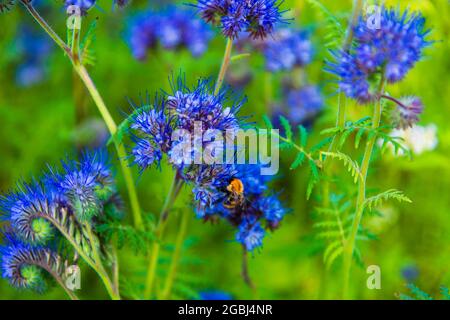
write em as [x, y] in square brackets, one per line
[126, 235]
[378, 199]
[416, 293]
[331, 227]
[334, 30]
[299, 144]
[87, 54]
[352, 166]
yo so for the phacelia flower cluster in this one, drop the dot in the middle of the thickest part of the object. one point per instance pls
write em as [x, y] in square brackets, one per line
[55, 208]
[34, 49]
[257, 17]
[391, 48]
[256, 211]
[164, 128]
[289, 48]
[172, 28]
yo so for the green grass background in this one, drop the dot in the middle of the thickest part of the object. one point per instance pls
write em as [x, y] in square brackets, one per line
[37, 127]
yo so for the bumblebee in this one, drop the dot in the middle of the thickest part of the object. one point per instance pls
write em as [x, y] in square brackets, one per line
[235, 196]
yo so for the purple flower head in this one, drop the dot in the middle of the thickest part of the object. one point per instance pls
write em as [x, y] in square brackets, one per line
[272, 209]
[84, 5]
[257, 17]
[173, 28]
[152, 132]
[408, 109]
[393, 47]
[256, 208]
[250, 234]
[199, 104]
[84, 184]
[287, 50]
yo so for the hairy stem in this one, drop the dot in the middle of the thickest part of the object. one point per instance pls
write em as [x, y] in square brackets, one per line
[109, 121]
[112, 290]
[245, 273]
[224, 66]
[350, 243]
[176, 255]
[175, 188]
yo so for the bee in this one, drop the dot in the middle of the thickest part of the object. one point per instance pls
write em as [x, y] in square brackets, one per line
[235, 196]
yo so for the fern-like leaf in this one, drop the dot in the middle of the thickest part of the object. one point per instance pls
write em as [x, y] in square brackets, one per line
[378, 199]
[352, 166]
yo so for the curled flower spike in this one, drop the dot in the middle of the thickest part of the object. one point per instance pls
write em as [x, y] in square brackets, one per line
[407, 112]
[23, 264]
[27, 210]
[392, 47]
[84, 184]
[257, 17]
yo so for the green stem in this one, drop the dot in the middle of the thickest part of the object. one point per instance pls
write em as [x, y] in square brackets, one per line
[342, 101]
[112, 291]
[350, 243]
[47, 28]
[176, 255]
[175, 188]
[224, 66]
[109, 121]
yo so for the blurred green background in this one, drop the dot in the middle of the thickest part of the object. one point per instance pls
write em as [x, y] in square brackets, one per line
[41, 123]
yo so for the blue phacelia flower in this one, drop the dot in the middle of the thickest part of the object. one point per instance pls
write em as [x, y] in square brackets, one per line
[257, 208]
[250, 234]
[24, 265]
[215, 295]
[83, 5]
[304, 104]
[193, 112]
[257, 17]
[34, 49]
[172, 28]
[60, 206]
[392, 48]
[288, 49]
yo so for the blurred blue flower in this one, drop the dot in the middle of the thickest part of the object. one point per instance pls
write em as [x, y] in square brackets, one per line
[304, 104]
[410, 273]
[215, 295]
[33, 49]
[288, 49]
[172, 27]
[257, 17]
